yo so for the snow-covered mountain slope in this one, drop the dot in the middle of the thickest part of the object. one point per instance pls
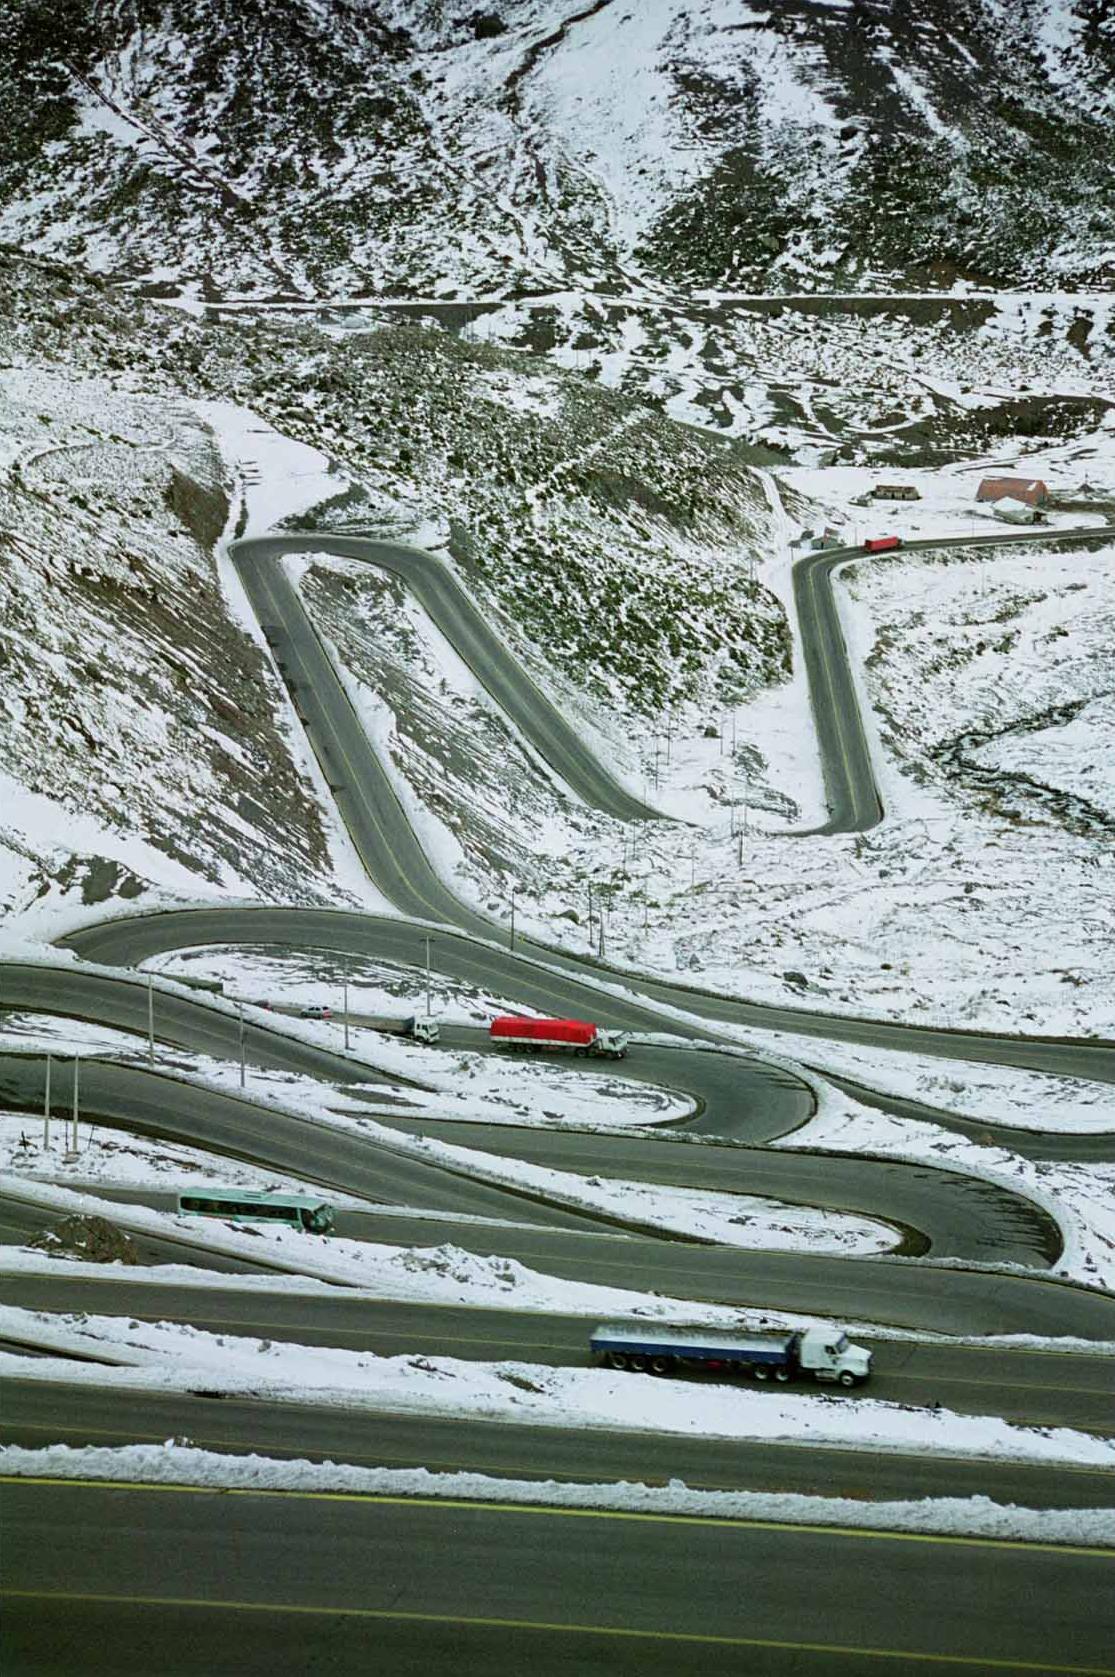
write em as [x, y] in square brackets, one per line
[410, 146]
[139, 731]
[622, 554]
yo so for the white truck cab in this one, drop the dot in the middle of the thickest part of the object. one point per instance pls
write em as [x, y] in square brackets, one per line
[829, 1354]
[613, 1044]
[422, 1028]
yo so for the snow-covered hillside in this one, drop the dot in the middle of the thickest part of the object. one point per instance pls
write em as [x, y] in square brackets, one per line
[410, 146]
[623, 554]
[140, 726]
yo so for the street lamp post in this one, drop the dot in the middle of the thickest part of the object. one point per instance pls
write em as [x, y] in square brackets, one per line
[46, 1109]
[344, 984]
[511, 942]
[429, 1008]
[77, 1067]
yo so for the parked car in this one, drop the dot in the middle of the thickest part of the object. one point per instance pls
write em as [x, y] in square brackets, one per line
[315, 1013]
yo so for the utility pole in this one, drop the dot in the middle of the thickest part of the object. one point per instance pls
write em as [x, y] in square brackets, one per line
[590, 892]
[240, 1010]
[601, 932]
[656, 748]
[511, 942]
[151, 1020]
[46, 1109]
[745, 803]
[429, 1009]
[669, 731]
[344, 983]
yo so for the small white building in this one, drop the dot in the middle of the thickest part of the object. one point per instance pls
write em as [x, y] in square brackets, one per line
[1014, 512]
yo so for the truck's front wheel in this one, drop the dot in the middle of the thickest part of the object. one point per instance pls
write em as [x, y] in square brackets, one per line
[847, 1378]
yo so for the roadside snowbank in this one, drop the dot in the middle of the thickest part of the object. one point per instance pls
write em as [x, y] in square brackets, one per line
[177, 1464]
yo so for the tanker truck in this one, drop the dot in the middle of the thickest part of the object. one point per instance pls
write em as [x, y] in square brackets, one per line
[824, 1354]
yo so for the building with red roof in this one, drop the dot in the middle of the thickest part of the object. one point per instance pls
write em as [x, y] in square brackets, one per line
[1031, 490]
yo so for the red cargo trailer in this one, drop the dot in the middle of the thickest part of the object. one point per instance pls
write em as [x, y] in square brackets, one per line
[880, 544]
[576, 1034]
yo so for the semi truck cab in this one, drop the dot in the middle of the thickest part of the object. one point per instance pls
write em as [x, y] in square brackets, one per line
[828, 1355]
[611, 1044]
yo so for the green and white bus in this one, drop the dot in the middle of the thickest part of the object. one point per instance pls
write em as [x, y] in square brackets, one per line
[237, 1205]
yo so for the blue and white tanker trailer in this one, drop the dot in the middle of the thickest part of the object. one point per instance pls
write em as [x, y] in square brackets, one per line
[651, 1348]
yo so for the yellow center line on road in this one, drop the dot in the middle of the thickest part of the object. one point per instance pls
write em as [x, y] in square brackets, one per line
[547, 1512]
[544, 1627]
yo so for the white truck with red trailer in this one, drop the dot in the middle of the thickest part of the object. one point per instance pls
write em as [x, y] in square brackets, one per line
[575, 1036]
[826, 1354]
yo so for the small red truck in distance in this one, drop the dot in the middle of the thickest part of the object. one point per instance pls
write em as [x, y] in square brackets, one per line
[577, 1036]
[880, 544]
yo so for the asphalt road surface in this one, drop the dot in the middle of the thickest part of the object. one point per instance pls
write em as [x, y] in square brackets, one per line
[190, 1581]
[37, 1413]
[567, 986]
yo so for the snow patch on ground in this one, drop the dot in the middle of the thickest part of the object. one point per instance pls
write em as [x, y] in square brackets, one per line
[175, 1463]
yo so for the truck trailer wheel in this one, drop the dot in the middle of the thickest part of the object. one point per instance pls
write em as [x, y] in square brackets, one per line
[760, 1372]
[782, 1375]
[616, 1359]
[637, 1364]
[662, 1365]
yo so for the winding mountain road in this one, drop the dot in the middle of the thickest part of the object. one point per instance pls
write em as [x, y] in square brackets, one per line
[746, 1102]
